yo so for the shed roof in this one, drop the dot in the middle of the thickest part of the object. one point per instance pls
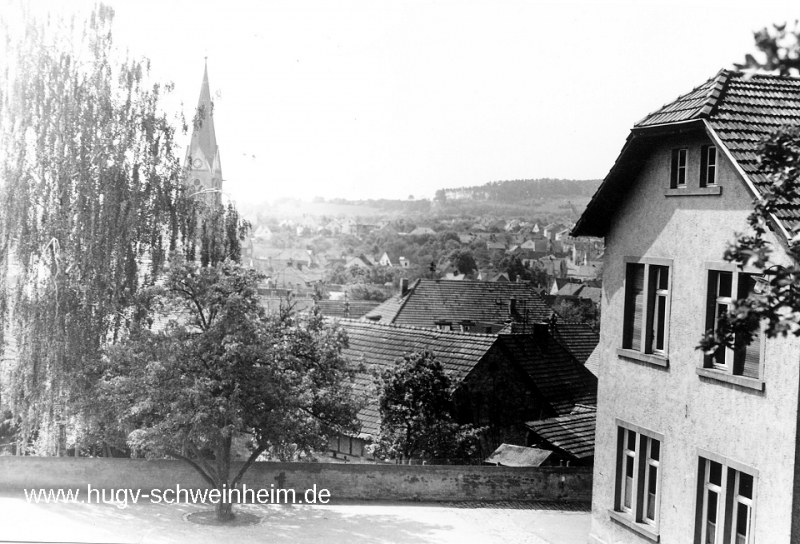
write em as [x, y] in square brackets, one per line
[578, 338]
[572, 433]
[509, 455]
[561, 380]
[381, 345]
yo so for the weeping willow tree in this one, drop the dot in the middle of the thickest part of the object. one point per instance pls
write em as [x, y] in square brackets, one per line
[91, 206]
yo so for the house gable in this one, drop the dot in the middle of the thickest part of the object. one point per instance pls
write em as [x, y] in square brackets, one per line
[733, 111]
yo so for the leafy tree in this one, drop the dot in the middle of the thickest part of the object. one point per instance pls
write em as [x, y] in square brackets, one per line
[440, 196]
[463, 261]
[92, 203]
[415, 399]
[364, 292]
[223, 369]
[779, 49]
[778, 301]
[577, 311]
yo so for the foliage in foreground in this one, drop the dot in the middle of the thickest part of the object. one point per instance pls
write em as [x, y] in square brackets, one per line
[777, 304]
[415, 399]
[221, 370]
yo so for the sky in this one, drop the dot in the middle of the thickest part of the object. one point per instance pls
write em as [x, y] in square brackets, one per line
[386, 99]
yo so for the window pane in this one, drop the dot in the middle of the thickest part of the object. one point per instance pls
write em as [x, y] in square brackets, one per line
[715, 473]
[663, 277]
[712, 156]
[652, 481]
[682, 157]
[634, 307]
[711, 518]
[661, 315]
[711, 532]
[725, 283]
[712, 175]
[745, 485]
[628, 481]
[742, 517]
[682, 176]
[631, 440]
[712, 507]
[655, 449]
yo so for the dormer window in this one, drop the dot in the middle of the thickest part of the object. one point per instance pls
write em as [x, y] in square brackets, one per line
[708, 166]
[678, 171]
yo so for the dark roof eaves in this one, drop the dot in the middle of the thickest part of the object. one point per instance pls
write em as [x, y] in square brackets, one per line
[581, 229]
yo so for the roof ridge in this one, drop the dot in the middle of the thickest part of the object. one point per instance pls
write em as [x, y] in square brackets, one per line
[411, 327]
[717, 91]
[680, 97]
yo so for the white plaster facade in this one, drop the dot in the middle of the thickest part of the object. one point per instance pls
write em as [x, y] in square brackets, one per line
[693, 415]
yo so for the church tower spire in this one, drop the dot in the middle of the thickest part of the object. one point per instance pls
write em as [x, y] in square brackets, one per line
[203, 167]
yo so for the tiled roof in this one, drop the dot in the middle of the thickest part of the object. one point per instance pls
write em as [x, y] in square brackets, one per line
[430, 301]
[742, 109]
[387, 310]
[578, 338]
[572, 433]
[561, 380]
[381, 345]
[354, 308]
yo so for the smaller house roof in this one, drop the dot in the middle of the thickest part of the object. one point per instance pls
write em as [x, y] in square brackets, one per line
[428, 301]
[572, 433]
[381, 345]
[561, 380]
[578, 338]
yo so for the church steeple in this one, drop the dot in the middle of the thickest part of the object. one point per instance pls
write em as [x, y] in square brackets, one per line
[203, 167]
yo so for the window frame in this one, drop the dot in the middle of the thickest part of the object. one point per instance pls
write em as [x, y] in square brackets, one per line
[708, 366]
[646, 351]
[708, 167]
[635, 516]
[728, 493]
[677, 169]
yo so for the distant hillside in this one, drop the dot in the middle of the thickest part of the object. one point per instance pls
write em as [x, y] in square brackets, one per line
[523, 190]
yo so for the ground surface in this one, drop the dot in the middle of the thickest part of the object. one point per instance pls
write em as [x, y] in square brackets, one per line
[395, 523]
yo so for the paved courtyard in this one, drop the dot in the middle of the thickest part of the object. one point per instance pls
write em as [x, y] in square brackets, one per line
[400, 523]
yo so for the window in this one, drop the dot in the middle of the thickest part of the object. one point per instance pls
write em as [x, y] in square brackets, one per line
[724, 287]
[646, 315]
[678, 170]
[638, 482]
[726, 501]
[708, 165]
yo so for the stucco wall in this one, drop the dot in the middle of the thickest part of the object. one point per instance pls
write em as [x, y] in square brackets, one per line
[344, 481]
[752, 427]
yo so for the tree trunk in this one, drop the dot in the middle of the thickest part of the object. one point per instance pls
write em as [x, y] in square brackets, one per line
[224, 511]
[224, 507]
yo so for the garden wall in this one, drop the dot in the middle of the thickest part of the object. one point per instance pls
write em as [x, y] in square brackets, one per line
[343, 481]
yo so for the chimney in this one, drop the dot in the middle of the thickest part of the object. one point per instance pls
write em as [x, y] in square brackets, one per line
[403, 286]
[541, 331]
